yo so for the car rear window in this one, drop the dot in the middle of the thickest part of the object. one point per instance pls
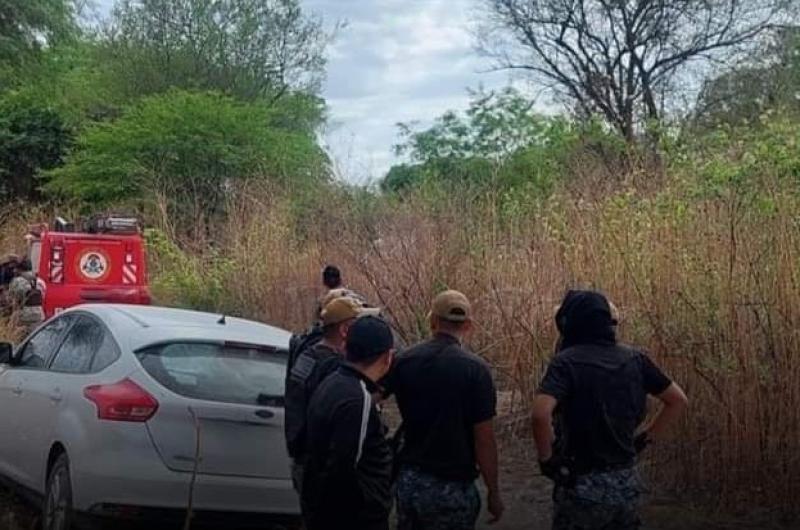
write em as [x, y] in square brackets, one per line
[230, 373]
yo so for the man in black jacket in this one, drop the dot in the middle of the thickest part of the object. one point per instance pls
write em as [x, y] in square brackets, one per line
[310, 368]
[596, 391]
[348, 469]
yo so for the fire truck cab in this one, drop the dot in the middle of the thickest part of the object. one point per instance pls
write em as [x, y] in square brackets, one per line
[103, 261]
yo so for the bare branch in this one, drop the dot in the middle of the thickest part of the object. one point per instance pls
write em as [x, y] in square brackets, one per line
[618, 58]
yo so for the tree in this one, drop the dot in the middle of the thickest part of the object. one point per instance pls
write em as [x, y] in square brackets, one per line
[770, 81]
[498, 142]
[246, 48]
[620, 59]
[495, 125]
[185, 152]
[32, 139]
[27, 25]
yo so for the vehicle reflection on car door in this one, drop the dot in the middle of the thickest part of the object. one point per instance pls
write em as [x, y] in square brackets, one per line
[27, 412]
[49, 391]
[227, 392]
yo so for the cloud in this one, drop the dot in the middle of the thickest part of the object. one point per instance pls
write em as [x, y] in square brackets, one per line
[396, 61]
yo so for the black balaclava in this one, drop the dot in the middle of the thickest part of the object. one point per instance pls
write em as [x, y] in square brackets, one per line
[585, 318]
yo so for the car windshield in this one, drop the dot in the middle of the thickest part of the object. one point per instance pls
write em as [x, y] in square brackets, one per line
[230, 373]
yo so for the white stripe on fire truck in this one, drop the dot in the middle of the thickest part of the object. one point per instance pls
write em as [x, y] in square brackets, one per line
[129, 273]
[57, 273]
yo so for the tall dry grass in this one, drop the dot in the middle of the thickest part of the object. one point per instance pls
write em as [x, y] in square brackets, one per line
[708, 288]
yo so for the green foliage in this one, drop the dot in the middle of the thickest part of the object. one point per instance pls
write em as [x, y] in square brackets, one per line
[496, 125]
[746, 164]
[401, 177]
[498, 143]
[26, 26]
[247, 48]
[179, 279]
[33, 138]
[187, 149]
[70, 80]
[769, 83]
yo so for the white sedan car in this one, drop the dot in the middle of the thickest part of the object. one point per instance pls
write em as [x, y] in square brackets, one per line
[112, 411]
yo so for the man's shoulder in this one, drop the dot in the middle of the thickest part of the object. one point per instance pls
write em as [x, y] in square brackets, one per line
[471, 358]
[320, 352]
[339, 383]
[422, 347]
[456, 357]
[589, 352]
[335, 388]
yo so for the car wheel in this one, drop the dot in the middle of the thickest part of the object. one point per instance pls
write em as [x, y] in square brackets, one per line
[57, 506]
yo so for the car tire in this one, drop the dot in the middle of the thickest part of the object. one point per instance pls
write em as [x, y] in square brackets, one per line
[57, 506]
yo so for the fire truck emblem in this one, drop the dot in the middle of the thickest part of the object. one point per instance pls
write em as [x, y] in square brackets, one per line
[94, 265]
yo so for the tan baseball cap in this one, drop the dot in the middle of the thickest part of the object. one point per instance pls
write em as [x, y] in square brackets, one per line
[344, 308]
[452, 306]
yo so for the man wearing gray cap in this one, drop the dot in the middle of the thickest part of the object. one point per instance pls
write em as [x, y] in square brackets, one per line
[347, 481]
[447, 400]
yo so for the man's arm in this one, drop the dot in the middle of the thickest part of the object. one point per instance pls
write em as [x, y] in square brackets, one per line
[482, 411]
[674, 402]
[486, 455]
[542, 417]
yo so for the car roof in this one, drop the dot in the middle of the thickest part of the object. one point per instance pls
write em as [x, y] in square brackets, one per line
[138, 326]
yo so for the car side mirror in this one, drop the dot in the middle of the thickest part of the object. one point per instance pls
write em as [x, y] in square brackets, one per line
[6, 352]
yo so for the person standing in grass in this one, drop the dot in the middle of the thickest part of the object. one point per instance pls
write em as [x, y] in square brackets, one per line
[447, 400]
[587, 416]
[334, 288]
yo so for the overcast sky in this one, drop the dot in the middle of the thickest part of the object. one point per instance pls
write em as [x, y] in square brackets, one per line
[394, 61]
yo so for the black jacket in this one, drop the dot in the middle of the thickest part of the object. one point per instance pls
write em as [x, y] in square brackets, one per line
[349, 461]
[303, 377]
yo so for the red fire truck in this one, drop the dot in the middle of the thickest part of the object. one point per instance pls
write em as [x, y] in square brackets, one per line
[102, 261]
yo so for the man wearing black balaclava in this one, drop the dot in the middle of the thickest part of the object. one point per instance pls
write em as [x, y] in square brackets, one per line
[595, 391]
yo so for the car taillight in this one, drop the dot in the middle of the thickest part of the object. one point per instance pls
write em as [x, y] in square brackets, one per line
[123, 401]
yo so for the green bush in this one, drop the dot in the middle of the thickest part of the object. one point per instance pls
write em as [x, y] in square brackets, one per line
[186, 150]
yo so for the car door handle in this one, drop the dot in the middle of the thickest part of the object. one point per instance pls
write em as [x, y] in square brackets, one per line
[265, 414]
[17, 391]
[56, 397]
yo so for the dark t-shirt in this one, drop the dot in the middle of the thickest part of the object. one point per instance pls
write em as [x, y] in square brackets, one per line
[442, 391]
[602, 399]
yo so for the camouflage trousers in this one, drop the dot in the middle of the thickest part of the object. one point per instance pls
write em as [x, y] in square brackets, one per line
[599, 501]
[425, 502]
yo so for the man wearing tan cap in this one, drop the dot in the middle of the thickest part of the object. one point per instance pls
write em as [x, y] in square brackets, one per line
[310, 368]
[447, 400]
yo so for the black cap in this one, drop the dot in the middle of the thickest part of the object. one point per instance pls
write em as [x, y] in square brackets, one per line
[368, 338]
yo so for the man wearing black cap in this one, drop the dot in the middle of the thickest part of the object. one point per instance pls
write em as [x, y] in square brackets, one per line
[596, 391]
[447, 400]
[347, 482]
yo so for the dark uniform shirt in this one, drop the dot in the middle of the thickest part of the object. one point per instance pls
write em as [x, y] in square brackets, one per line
[442, 391]
[309, 369]
[349, 461]
[602, 397]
